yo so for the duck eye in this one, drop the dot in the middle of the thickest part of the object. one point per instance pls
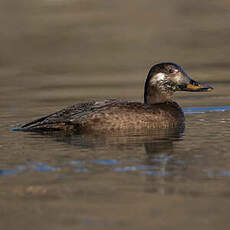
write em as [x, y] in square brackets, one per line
[171, 71]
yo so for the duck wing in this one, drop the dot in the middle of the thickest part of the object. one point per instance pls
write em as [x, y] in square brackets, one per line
[65, 116]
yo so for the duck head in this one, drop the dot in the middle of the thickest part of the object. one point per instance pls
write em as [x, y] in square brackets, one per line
[166, 78]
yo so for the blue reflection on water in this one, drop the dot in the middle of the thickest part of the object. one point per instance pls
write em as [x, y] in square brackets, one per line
[206, 109]
[156, 173]
[34, 166]
[134, 168]
[106, 162]
[212, 173]
[163, 158]
[6, 172]
[42, 167]
[224, 173]
[81, 170]
[39, 166]
[151, 170]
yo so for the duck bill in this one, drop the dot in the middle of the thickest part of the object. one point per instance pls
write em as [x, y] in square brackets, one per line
[194, 86]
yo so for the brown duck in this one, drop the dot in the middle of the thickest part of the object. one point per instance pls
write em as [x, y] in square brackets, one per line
[157, 111]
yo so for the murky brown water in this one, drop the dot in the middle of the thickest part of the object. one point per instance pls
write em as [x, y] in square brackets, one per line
[56, 53]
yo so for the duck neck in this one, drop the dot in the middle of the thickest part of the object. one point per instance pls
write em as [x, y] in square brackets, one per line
[154, 95]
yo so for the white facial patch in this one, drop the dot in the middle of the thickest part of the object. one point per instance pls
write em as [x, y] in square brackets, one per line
[178, 79]
[157, 78]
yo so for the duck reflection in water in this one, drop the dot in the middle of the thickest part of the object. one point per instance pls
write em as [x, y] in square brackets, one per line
[150, 154]
[108, 116]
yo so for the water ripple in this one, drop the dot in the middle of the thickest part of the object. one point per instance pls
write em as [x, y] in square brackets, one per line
[34, 166]
[134, 168]
[206, 109]
[213, 174]
[106, 162]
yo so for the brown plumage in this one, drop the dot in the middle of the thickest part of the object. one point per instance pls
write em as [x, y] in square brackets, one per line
[157, 111]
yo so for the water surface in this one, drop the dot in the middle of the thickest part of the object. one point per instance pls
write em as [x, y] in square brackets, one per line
[54, 54]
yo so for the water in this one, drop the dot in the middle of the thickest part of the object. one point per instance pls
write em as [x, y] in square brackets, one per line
[54, 54]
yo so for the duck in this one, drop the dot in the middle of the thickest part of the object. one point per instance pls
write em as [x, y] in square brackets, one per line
[158, 110]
